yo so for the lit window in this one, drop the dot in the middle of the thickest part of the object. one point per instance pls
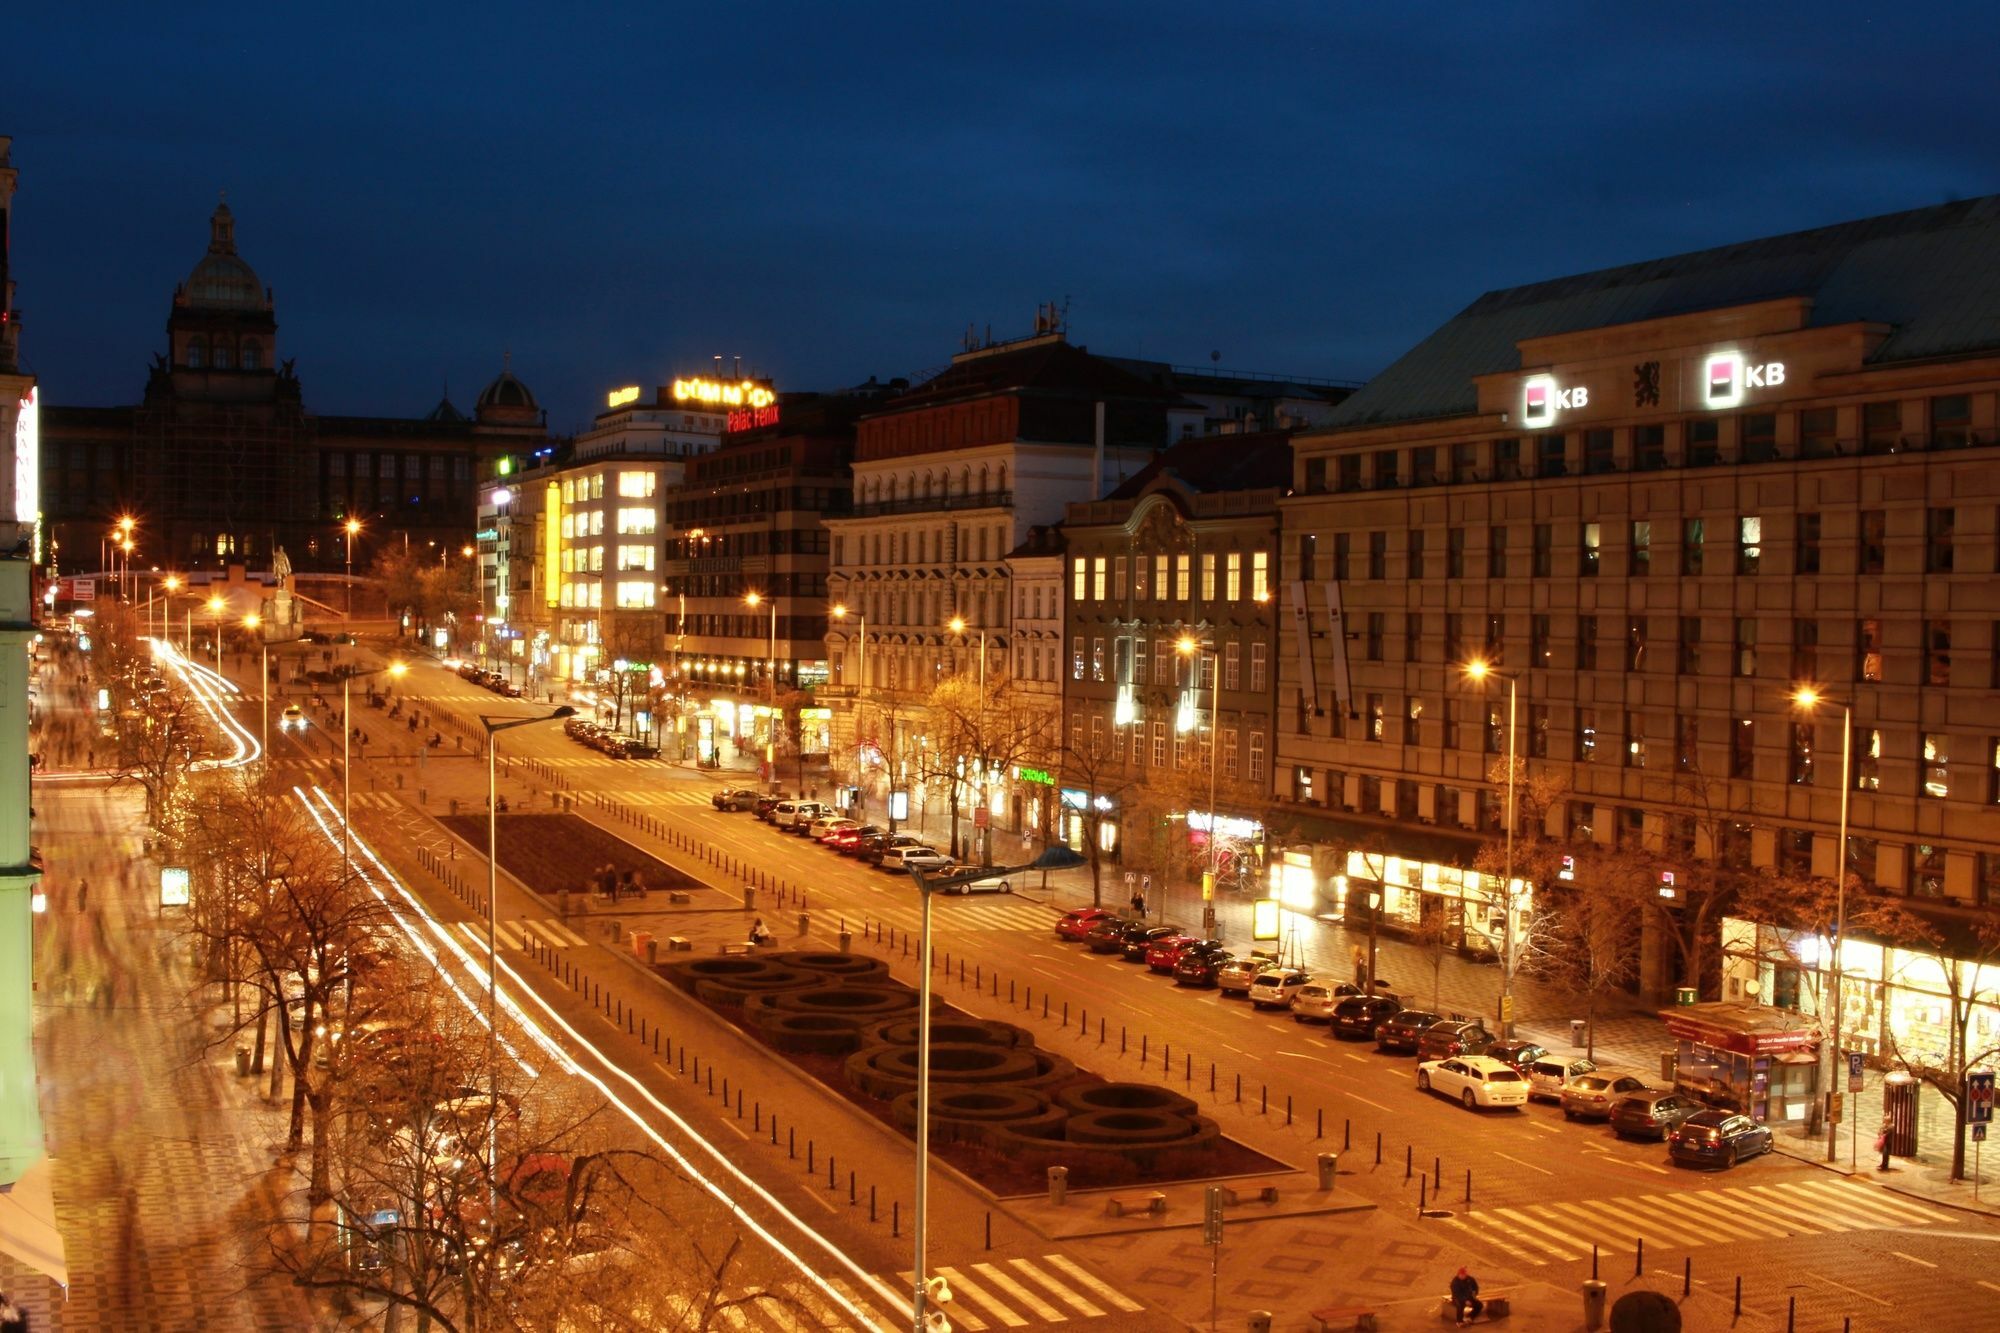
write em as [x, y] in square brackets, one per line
[1098, 576]
[636, 485]
[635, 522]
[635, 593]
[1208, 577]
[1079, 580]
[1232, 579]
[1183, 568]
[1260, 575]
[1937, 754]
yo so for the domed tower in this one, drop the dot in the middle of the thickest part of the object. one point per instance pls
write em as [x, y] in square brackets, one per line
[222, 322]
[507, 402]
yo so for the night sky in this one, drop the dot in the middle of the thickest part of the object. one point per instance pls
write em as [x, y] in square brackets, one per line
[832, 191]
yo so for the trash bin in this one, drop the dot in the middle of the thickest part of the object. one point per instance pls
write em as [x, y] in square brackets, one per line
[1669, 1065]
[805, 922]
[243, 1062]
[847, 941]
[1593, 1305]
[1258, 1321]
[1058, 1184]
[1684, 995]
[1329, 1167]
[1576, 1027]
[749, 898]
[642, 942]
[1899, 1108]
[652, 951]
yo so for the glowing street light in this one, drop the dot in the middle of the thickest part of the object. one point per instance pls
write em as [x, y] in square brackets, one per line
[352, 528]
[1188, 646]
[1807, 698]
[1479, 671]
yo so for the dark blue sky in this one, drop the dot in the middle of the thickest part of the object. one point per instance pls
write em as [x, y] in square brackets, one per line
[834, 191]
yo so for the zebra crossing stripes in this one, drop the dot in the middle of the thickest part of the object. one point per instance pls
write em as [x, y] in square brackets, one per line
[517, 933]
[1018, 1293]
[1561, 1232]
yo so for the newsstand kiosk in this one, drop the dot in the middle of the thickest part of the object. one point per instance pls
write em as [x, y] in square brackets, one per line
[1749, 1058]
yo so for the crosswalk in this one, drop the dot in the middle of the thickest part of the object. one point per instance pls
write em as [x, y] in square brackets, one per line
[1551, 1233]
[516, 934]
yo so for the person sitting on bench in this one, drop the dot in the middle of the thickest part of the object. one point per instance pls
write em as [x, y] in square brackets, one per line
[1465, 1302]
[760, 934]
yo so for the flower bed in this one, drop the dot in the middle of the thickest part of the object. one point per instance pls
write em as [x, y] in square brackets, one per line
[553, 852]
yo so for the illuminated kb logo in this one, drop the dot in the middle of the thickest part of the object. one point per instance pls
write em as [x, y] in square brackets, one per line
[1728, 376]
[1542, 398]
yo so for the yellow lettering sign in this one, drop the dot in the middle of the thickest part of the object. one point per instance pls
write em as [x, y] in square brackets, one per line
[744, 393]
[620, 397]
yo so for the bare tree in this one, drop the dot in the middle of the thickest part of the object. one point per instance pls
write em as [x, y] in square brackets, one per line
[974, 730]
[1705, 886]
[633, 639]
[1965, 961]
[1590, 932]
[1096, 766]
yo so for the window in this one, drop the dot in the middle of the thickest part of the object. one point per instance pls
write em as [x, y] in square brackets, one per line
[1076, 658]
[1586, 643]
[1881, 427]
[1874, 530]
[637, 485]
[635, 593]
[1927, 870]
[1800, 769]
[1343, 545]
[1385, 469]
[1163, 662]
[1687, 741]
[1159, 745]
[1993, 771]
[1597, 456]
[636, 557]
[1495, 731]
[1413, 636]
[1423, 466]
[1496, 553]
[1302, 782]
[1373, 719]
[1182, 575]
[1506, 460]
[1097, 659]
[1538, 731]
[1347, 473]
[1377, 629]
[1549, 456]
[1649, 448]
[1315, 483]
[1687, 654]
[1988, 887]
[1378, 555]
[1141, 584]
[1454, 553]
[1257, 666]
[1540, 654]
[1951, 420]
[1413, 713]
[1746, 646]
[1867, 759]
[1805, 536]
[1937, 755]
[1079, 580]
[1938, 525]
[1544, 551]
[1257, 757]
[636, 522]
[1937, 652]
[1794, 852]
[1448, 732]
[1118, 567]
[1464, 457]
[1819, 430]
[1415, 556]
[1099, 579]
[1868, 650]
[1742, 748]
[1139, 660]
[1749, 544]
[1232, 577]
[1162, 590]
[1635, 644]
[1454, 637]
[1586, 736]
[1641, 556]
[1805, 650]
[1757, 437]
[1704, 442]
[1496, 640]
[1232, 664]
[1260, 575]
[1692, 533]
[1635, 740]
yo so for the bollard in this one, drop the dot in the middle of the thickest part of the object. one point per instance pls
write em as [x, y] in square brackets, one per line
[809, 1157]
[1687, 1275]
[1791, 1314]
[1378, 1147]
[1639, 1258]
[1239, 1089]
[1468, 1187]
[989, 1230]
[1065, 1013]
[1288, 1109]
[1593, 1262]
[1143, 1039]
[1739, 1294]
[831, 1179]
[851, 1196]
[1100, 1031]
[871, 1205]
[1187, 1072]
[1211, 1077]
[791, 1144]
[1422, 1183]
[895, 1219]
[1408, 1158]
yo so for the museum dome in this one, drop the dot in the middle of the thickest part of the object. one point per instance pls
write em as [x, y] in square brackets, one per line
[507, 402]
[222, 280]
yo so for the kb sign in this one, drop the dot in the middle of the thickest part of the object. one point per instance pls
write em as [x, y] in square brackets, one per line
[1542, 399]
[1728, 376]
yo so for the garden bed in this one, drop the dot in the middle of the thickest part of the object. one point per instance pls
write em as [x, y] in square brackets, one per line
[553, 852]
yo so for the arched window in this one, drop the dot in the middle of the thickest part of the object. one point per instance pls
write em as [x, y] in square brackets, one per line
[221, 355]
[197, 351]
[984, 479]
[251, 356]
[1000, 481]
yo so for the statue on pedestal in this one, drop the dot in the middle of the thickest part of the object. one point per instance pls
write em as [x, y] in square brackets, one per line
[281, 612]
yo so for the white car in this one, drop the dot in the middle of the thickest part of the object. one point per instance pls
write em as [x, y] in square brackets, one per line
[826, 824]
[897, 860]
[997, 884]
[292, 719]
[1315, 1000]
[1275, 987]
[1476, 1080]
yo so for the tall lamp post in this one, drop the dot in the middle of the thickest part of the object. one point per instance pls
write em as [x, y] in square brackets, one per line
[352, 528]
[173, 585]
[1194, 649]
[216, 606]
[1809, 698]
[1479, 671]
[393, 670]
[255, 622]
[982, 830]
[753, 600]
[840, 612]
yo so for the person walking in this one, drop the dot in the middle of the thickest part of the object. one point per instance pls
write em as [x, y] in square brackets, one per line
[82, 895]
[1360, 967]
[1882, 1142]
[1465, 1302]
[13, 1319]
[1138, 904]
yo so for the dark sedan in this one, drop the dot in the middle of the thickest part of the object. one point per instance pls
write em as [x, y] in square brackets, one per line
[1198, 966]
[1402, 1030]
[1519, 1054]
[1717, 1138]
[1358, 1016]
[1139, 937]
[1442, 1041]
[1651, 1114]
[850, 841]
[1108, 935]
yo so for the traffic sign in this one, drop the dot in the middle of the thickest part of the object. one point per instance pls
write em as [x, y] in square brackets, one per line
[1854, 1071]
[1979, 1096]
[1979, 1132]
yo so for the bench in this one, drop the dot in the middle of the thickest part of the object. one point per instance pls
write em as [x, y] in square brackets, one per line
[678, 896]
[1360, 1318]
[732, 948]
[1152, 1204]
[679, 944]
[1498, 1306]
[1264, 1194]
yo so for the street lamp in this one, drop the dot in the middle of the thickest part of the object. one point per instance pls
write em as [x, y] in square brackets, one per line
[125, 577]
[394, 670]
[216, 606]
[1808, 698]
[1188, 646]
[840, 612]
[753, 600]
[957, 626]
[253, 622]
[352, 527]
[173, 585]
[1479, 671]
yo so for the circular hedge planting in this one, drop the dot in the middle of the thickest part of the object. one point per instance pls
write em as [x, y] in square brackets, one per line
[816, 1034]
[884, 1071]
[964, 1031]
[847, 965]
[733, 989]
[990, 1117]
[1126, 1097]
[858, 1001]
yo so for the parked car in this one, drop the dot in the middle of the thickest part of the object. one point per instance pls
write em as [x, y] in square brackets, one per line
[1652, 1114]
[991, 884]
[1440, 1041]
[1402, 1030]
[1315, 1001]
[1076, 924]
[889, 842]
[788, 814]
[1166, 952]
[826, 825]
[898, 860]
[1717, 1138]
[1108, 935]
[1197, 967]
[1549, 1072]
[852, 841]
[1139, 937]
[1274, 987]
[1475, 1081]
[1591, 1096]
[1359, 1015]
[1235, 976]
[766, 807]
[1520, 1054]
[734, 798]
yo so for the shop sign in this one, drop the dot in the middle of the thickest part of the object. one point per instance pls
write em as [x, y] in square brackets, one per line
[176, 883]
[715, 393]
[1542, 399]
[1040, 777]
[1264, 919]
[749, 418]
[620, 397]
[1728, 376]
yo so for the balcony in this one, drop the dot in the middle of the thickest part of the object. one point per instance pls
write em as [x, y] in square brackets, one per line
[929, 504]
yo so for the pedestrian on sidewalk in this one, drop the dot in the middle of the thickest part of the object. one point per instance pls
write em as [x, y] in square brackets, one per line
[83, 895]
[1882, 1142]
[1360, 967]
[1138, 904]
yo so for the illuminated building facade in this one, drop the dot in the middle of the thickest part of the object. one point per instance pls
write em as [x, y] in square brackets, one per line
[1662, 497]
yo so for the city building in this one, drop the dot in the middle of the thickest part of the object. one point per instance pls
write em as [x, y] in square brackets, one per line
[1168, 682]
[221, 463]
[1660, 499]
[948, 479]
[1035, 574]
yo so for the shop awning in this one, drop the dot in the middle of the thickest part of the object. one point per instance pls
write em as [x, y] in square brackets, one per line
[1749, 1029]
[28, 1223]
[1388, 838]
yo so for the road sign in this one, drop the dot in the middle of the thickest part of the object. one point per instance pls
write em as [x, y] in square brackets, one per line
[1131, 878]
[1506, 1008]
[1979, 1132]
[1979, 1096]
[1854, 1071]
[1211, 1216]
[1145, 883]
[83, 590]
[1834, 1106]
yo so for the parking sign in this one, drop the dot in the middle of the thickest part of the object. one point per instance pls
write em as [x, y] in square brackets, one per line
[1854, 1071]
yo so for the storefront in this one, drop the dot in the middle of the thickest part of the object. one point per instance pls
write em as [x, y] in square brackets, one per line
[1747, 1058]
[1034, 791]
[1892, 999]
[1075, 827]
[1239, 851]
[1413, 896]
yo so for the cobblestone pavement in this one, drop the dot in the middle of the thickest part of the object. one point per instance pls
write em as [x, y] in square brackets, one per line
[158, 1157]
